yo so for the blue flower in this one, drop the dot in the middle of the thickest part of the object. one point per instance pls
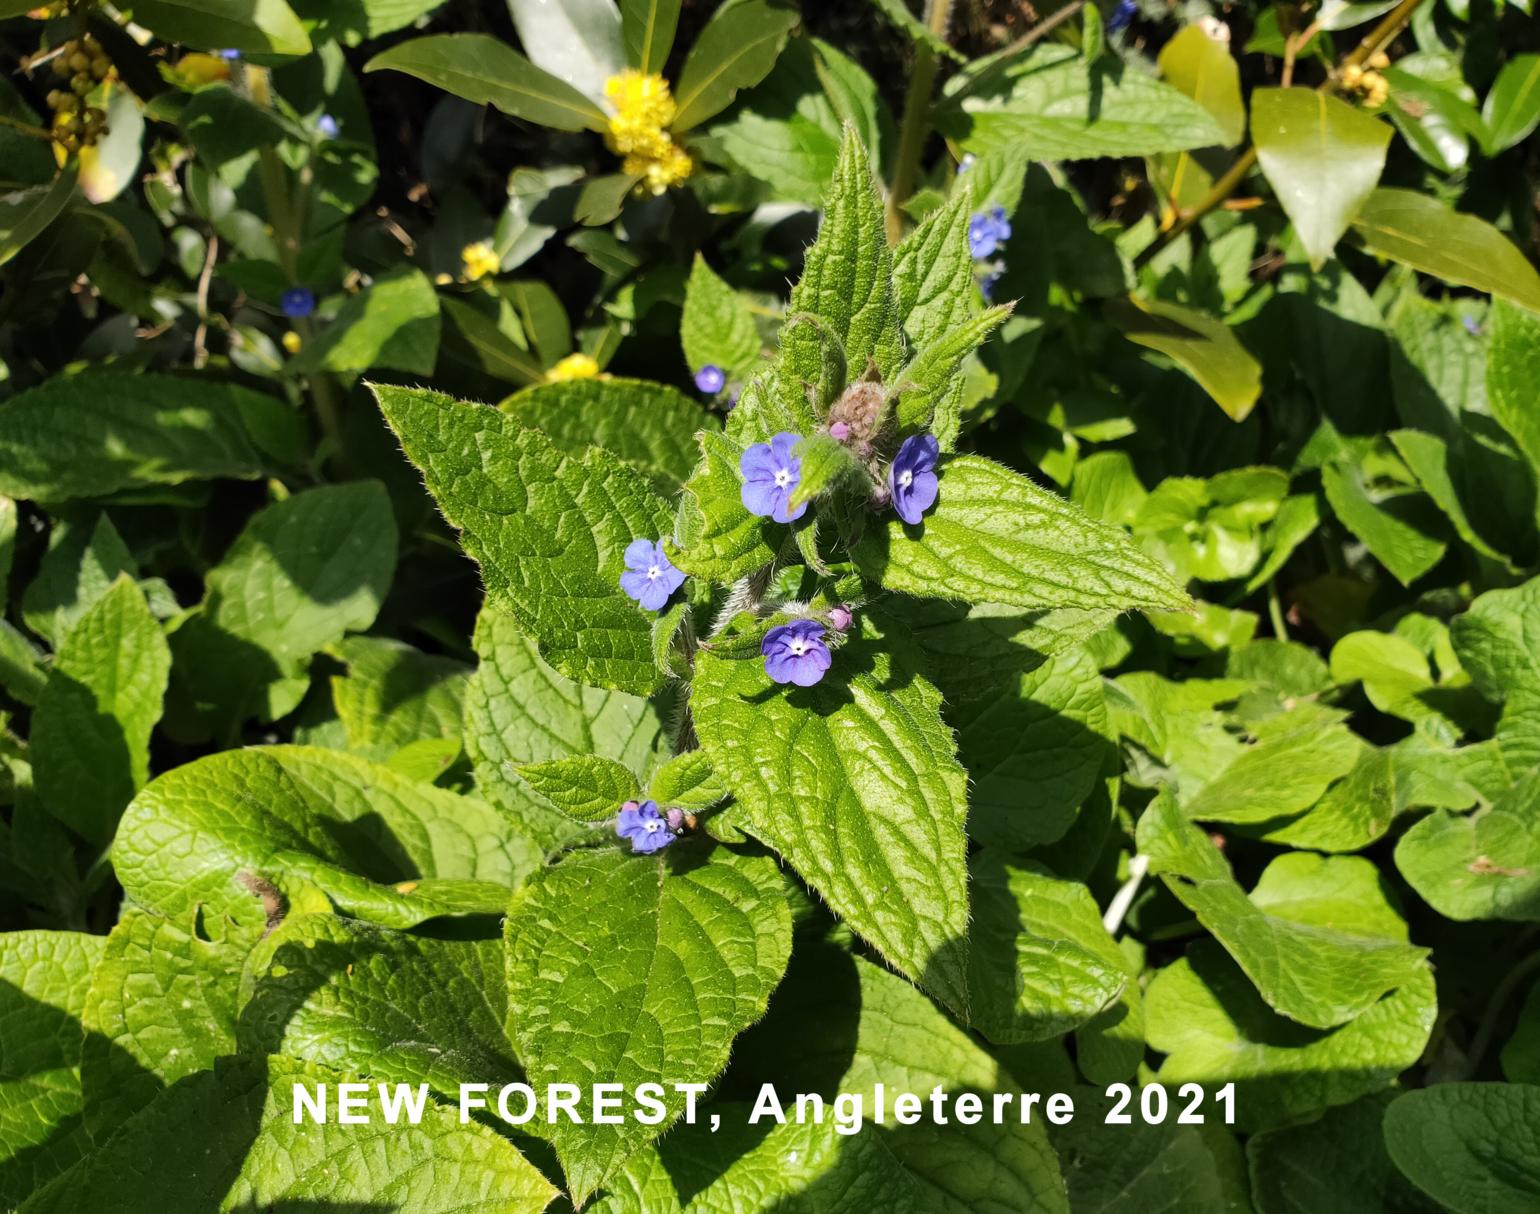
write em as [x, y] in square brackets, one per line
[297, 302]
[327, 126]
[771, 474]
[1471, 326]
[644, 826]
[711, 379]
[912, 477]
[987, 284]
[650, 577]
[229, 54]
[1121, 16]
[987, 231]
[795, 653]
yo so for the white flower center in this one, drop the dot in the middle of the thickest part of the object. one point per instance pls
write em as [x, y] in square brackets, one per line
[905, 479]
[650, 827]
[653, 573]
[782, 477]
[798, 647]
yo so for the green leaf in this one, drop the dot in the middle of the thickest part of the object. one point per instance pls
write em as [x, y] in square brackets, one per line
[1473, 1147]
[242, 25]
[79, 567]
[1435, 465]
[305, 571]
[357, 23]
[1142, 1168]
[394, 695]
[1029, 712]
[846, 284]
[547, 529]
[715, 537]
[43, 980]
[1040, 963]
[897, 12]
[91, 732]
[1200, 66]
[392, 324]
[394, 1006]
[94, 433]
[825, 464]
[650, 425]
[1423, 233]
[871, 1027]
[1296, 756]
[687, 781]
[485, 71]
[1512, 108]
[648, 29]
[1205, 1015]
[1323, 158]
[1204, 348]
[688, 960]
[1402, 530]
[934, 291]
[1313, 960]
[1481, 866]
[854, 781]
[932, 374]
[584, 787]
[1513, 368]
[735, 51]
[378, 845]
[162, 1005]
[26, 212]
[1521, 1056]
[995, 537]
[1336, 1164]
[576, 41]
[518, 711]
[476, 338]
[1051, 105]
[717, 328]
[226, 1141]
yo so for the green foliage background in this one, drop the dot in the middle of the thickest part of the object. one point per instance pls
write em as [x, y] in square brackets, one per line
[1193, 738]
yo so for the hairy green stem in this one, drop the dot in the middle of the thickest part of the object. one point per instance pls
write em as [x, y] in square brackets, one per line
[915, 125]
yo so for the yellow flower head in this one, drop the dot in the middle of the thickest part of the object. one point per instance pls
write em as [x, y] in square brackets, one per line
[292, 342]
[480, 259]
[574, 366]
[644, 109]
[659, 174]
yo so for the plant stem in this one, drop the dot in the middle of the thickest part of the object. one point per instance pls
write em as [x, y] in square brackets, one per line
[1495, 1005]
[1275, 611]
[1124, 898]
[915, 125]
[1044, 27]
[1225, 186]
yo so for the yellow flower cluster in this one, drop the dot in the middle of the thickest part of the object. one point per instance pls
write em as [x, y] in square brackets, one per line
[1373, 87]
[574, 366]
[479, 260]
[644, 110]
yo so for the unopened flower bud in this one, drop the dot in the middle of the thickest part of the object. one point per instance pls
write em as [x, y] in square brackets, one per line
[674, 816]
[841, 617]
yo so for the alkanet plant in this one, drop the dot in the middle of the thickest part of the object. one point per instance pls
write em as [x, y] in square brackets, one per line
[999, 558]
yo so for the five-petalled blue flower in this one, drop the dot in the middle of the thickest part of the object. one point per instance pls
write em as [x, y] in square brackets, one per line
[297, 302]
[650, 577]
[796, 653]
[711, 379]
[327, 126]
[987, 231]
[912, 477]
[644, 826]
[771, 474]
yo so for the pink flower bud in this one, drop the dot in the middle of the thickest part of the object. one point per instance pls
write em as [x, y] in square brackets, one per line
[839, 431]
[674, 817]
[841, 618]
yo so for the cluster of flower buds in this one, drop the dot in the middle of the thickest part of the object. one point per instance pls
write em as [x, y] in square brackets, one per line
[644, 109]
[1367, 82]
[81, 64]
